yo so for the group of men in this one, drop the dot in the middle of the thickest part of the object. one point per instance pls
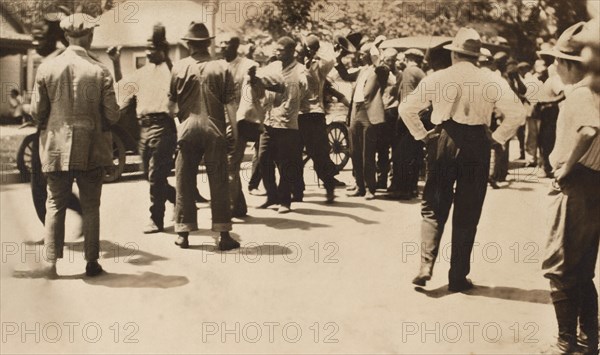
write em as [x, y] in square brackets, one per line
[221, 105]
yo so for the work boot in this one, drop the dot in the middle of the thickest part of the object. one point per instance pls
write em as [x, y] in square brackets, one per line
[566, 309]
[228, 243]
[588, 319]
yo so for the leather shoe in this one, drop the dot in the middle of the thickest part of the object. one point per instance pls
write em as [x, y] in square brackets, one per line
[352, 188]
[330, 196]
[267, 204]
[357, 194]
[182, 242]
[93, 269]
[339, 183]
[460, 286]
[421, 280]
[152, 228]
[369, 196]
[228, 243]
[284, 209]
[257, 192]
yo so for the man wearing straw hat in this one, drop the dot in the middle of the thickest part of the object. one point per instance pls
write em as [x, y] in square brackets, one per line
[202, 88]
[74, 105]
[574, 228]
[462, 106]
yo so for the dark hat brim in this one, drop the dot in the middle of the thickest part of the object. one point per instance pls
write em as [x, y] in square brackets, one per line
[197, 39]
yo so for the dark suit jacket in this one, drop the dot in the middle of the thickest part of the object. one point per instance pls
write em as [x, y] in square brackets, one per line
[373, 90]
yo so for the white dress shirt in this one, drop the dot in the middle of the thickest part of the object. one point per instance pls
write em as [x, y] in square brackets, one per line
[466, 94]
[150, 85]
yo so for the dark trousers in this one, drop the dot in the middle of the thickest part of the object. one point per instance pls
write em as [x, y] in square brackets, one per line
[39, 192]
[386, 140]
[363, 145]
[570, 259]
[313, 132]
[247, 132]
[548, 114]
[521, 138]
[256, 176]
[459, 156]
[407, 158]
[156, 147]
[59, 190]
[280, 147]
[202, 138]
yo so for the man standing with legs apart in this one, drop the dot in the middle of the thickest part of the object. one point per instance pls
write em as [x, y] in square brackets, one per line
[202, 89]
[149, 87]
[285, 83]
[574, 228]
[74, 105]
[311, 121]
[462, 106]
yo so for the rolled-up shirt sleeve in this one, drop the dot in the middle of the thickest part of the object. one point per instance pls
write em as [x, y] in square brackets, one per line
[514, 113]
[409, 109]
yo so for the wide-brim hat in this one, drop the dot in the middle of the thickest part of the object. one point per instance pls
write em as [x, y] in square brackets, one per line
[345, 43]
[357, 39]
[197, 31]
[566, 46]
[467, 41]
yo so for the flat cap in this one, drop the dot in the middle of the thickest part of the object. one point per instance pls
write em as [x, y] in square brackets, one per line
[78, 24]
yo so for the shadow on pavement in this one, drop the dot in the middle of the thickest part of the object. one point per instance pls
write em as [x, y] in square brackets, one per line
[310, 212]
[282, 223]
[248, 250]
[499, 292]
[345, 204]
[144, 280]
[114, 280]
[128, 252]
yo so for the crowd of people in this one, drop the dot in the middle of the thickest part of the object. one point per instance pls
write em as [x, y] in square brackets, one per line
[204, 109]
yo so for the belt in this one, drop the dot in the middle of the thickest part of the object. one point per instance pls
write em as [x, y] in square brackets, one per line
[154, 119]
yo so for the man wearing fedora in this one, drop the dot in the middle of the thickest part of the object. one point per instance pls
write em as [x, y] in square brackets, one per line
[147, 88]
[202, 88]
[574, 228]
[74, 105]
[366, 112]
[461, 112]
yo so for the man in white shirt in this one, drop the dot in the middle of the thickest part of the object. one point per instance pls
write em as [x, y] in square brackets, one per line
[249, 128]
[463, 98]
[149, 87]
[574, 230]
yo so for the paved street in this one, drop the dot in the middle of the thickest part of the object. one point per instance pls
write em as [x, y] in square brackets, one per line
[322, 279]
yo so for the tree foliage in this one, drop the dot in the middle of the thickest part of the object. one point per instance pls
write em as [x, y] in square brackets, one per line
[521, 22]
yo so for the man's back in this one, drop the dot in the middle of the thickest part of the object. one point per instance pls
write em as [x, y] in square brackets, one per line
[197, 83]
[74, 103]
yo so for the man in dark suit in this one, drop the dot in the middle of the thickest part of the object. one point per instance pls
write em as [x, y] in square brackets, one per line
[366, 111]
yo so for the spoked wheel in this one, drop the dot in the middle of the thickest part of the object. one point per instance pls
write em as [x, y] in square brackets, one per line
[118, 159]
[24, 155]
[337, 132]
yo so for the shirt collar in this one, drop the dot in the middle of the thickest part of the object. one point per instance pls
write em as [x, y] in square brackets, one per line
[582, 83]
[77, 49]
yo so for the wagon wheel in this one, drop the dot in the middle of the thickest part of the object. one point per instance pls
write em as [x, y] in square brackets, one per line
[118, 159]
[24, 155]
[337, 133]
